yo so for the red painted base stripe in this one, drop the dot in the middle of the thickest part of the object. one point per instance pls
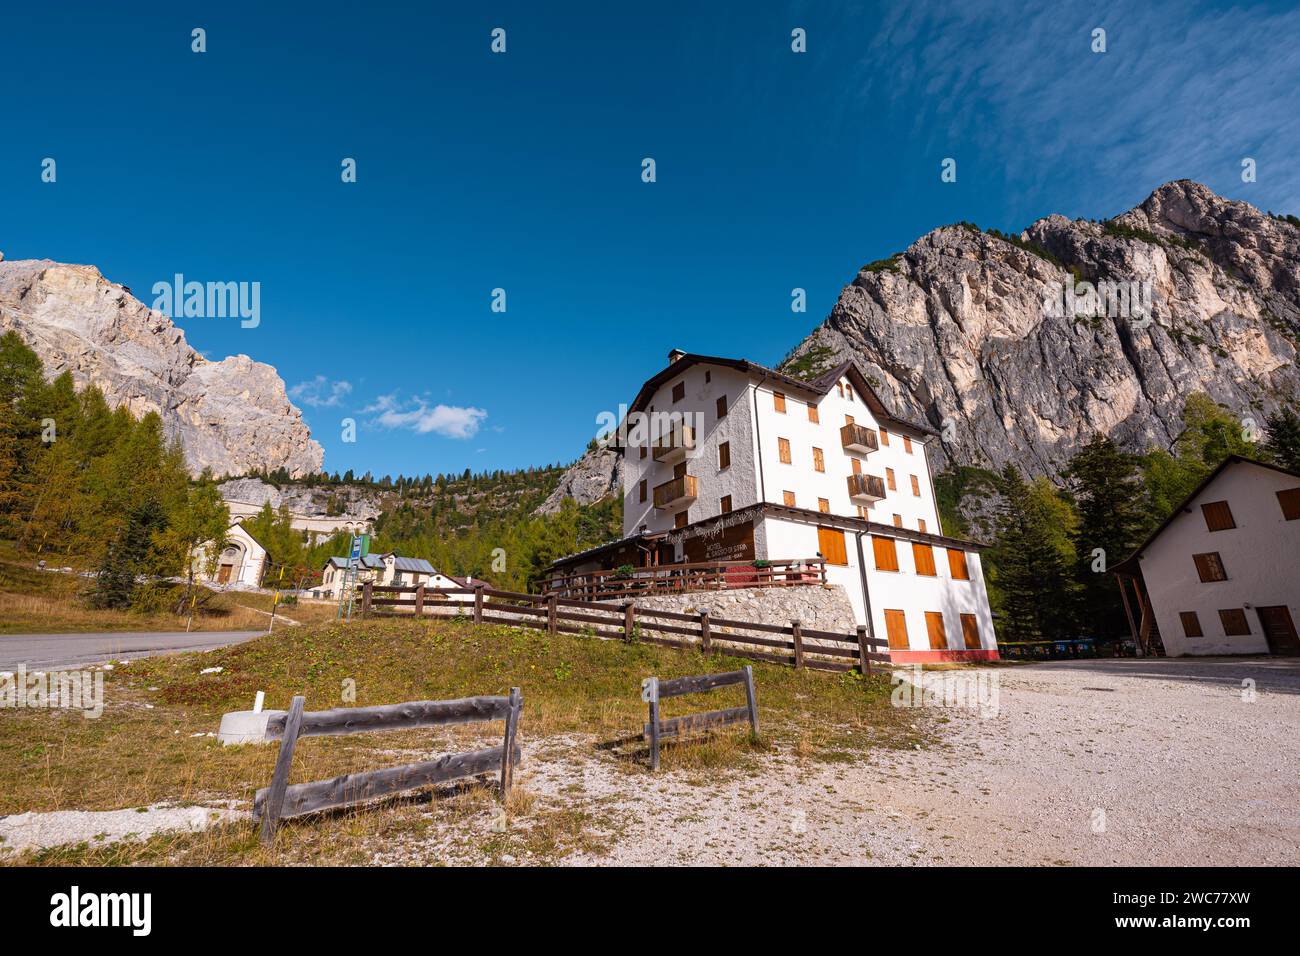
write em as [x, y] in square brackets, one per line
[922, 657]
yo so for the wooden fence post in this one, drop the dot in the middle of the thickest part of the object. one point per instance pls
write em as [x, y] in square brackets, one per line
[796, 629]
[478, 604]
[283, 760]
[551, 621]
[750, 699]
[507, 754]
[864, 662]
[629, 620]
[365, 598]
[706, 641]
[419, 601]
[654, 723]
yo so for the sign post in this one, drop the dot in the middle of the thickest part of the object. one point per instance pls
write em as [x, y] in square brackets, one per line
[360, 546]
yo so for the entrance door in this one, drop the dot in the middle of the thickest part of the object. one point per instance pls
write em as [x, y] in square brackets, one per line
[1279, 629]
[223, 574]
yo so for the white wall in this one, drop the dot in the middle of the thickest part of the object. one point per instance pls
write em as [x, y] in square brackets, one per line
[1261, 557]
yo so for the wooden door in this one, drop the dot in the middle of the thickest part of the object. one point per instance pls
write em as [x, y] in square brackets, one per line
[223, 574]
[1279, 629]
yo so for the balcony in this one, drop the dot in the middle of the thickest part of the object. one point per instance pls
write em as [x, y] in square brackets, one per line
[864, 488]
[673, 448]
[858, 438]
[679, 491]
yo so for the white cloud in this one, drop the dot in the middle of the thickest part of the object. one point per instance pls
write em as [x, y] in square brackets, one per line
[320, 392]
[450, 421]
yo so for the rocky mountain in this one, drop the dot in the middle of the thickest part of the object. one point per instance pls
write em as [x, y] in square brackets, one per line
[597, 474]
[232, 416]
[975, 332]
[317, 501]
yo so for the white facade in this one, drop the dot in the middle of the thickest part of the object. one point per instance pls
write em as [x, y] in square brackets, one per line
[1259, 557]
[785, 448]
[240, 564]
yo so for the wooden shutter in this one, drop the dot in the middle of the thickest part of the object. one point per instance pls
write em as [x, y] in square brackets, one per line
[725, 504]
[813, 416]
[1191, 624]
[1209, 566]
[920, 524]
[819, 460]
[884, 552]
[680, 519]
[823, 506]
[907, 444]
[884, 438]
[679, 391]
[1234, 622]
[783, 449]
[1289, 499]
[778, 402]
[830, 542]
[889, 479]
[896, 630]
[722, 406]
[724, 455]
[898, 521]
[788, 497]
[923, 557]
[916, 486]
[857, 466]
[970, 632]
[848, 419]
[1218, 516]
[957, 565]
[935, 630]
[642, 487]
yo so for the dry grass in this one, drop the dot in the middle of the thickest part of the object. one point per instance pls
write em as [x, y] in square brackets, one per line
[144, 750]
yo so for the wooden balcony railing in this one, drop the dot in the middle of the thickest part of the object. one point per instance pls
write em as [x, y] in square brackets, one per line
[859, 438]
[866, 488]
[674, 492]
[673, 447]
[677, 578]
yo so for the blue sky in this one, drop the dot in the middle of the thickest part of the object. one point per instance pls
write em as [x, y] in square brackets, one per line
[522, 171]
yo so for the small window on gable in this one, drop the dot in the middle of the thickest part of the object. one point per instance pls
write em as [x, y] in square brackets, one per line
[1218, 516]
[884, 438]
[813, 415]
[679, 391]
[1289, 499]
[725, 504]
[1209, 567]
[839, 387]
[724, 455]
[1191, 624]
[722, 406]
[1234, 622]
[848, 391]
[708, 375]
[907, 444]
[778, 401]
[642, 490]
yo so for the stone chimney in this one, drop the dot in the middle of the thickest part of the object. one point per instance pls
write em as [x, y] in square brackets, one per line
[674, 355]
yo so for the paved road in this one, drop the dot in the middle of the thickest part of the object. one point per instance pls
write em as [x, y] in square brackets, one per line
[76, 650]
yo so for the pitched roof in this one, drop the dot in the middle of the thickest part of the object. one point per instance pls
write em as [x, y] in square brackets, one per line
[412, 564]
[1129, 566]
[816, 389]
[371, 561]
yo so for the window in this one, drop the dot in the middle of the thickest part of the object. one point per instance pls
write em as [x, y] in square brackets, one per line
[898, 521]
[642, 488]
[783, 449]
[970, 632]
[1234, 622]
[920, 524]
[1218, 516]
[848, 419]
[907, 444]
[839, 387]
[722, 406]
[789, 498]
[848, 391]
[831, 544]
[885, 554]
[724, 455]
[823, 506]
[813, 416]
[725, 504]
[679, 391]
[1289, 499]
[923, 558]
[819, 460]
[857, 466]
[916, 486]
[1210, 567]
[896, 629]
[884, 438]
[889, 479]
[1191, 624]
[643, 451]
[957, 565]
[935, 629]
[778, 401]
[708, 376]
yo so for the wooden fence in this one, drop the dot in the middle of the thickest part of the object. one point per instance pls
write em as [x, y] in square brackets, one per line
[677, 578]
[782, 644]
[280, 800]
[653, 690]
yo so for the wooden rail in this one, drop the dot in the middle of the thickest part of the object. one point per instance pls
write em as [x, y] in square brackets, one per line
[653, 690]
[279, 800]
[680, 578]
[782, 644]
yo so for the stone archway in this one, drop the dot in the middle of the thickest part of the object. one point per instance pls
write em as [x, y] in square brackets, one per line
[231, 562]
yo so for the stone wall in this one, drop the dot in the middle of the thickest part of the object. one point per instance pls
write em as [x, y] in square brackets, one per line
[816, 606]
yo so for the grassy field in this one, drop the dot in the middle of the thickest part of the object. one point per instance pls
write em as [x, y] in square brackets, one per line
[150, 745]
[50, 602]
